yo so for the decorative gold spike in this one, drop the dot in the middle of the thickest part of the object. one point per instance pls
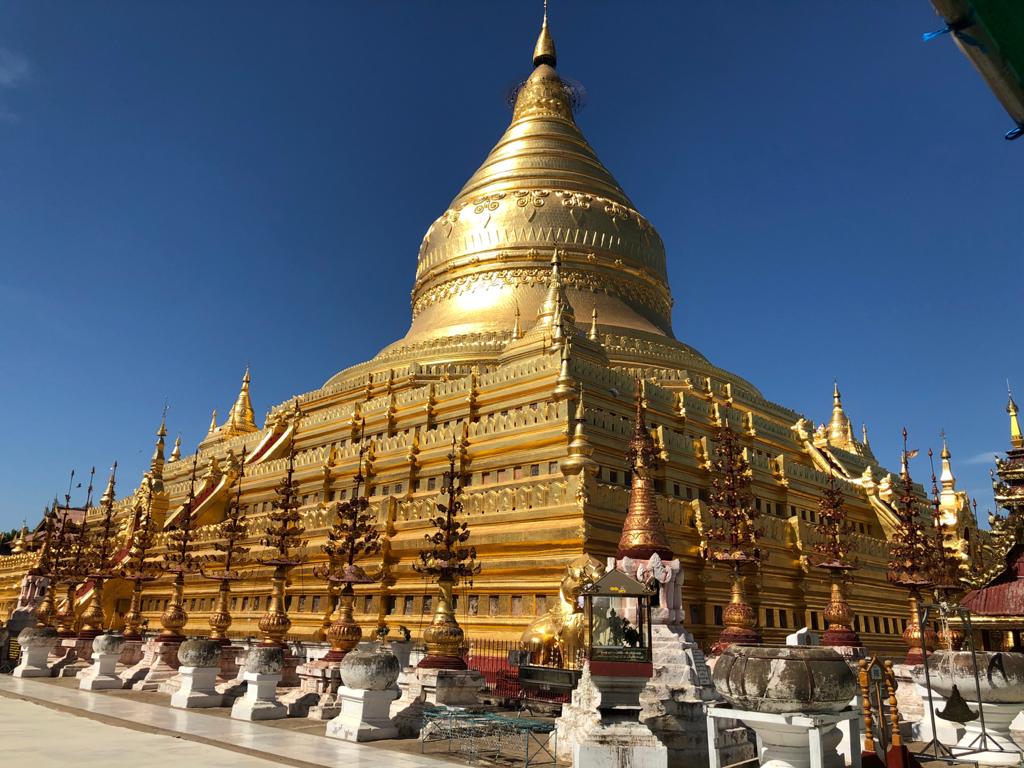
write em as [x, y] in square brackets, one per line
[517, 329]
[544, 50]
[176, 451]
[593, 325]
[241, 418]
[1016, 437]
[580, 449]
[213, 423]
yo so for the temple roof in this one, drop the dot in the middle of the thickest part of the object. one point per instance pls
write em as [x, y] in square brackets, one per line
[1004, 595]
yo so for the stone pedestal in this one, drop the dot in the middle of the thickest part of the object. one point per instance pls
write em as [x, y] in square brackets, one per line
[315, 696]
[102, 675]
[1003, 749]
[74, 657]
[197, 689]
[259, 702]
[618, 745]
[420, 686]
[35, 652]
[159, 663]
[262, 674]
[364, 715]
[788, 740]
[579, 718]
[131, 653]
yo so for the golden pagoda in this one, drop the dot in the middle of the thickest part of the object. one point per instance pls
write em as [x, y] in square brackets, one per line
[495, 363]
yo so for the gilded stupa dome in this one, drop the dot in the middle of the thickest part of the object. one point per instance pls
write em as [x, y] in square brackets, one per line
[541, 188]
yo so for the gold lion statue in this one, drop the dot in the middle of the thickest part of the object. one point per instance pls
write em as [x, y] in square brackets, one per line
[557, 637]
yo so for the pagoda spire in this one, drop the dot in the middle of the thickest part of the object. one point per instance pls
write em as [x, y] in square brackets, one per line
[839, 430]
[556, 312]
[176, 450]
[241, 417]
[517, 329]
[643, 531]
[544, 50]
[213, 423]
[108, 494]
[156, 464]
[593, 335]
[1016, 437]
[946, 478]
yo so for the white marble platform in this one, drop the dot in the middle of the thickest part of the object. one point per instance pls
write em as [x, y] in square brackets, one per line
[267, 743]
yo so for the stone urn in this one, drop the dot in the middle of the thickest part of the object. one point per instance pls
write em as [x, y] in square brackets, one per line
[108, 643]
[786, 682]
[36, 644]
[1001, 678]
[374, 670]
[264, 660]
[199, 652]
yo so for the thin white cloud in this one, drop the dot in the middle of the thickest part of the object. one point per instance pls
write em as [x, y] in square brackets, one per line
[988, 457]
[14, 68]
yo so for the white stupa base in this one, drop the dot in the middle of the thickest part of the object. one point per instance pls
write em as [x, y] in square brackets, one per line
[1004, 750]
[789, 740]
[617, 745]
[364, 715]
[102, 675]
[197, 689]
[259, 702]
[34, 660]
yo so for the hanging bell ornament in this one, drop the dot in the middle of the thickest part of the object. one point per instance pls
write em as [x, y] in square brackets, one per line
[956, 709]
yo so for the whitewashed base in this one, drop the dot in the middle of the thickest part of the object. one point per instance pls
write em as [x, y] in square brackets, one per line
[364, 715]
[197, 689]
[102, 675]
[998, 716]
[788, 740]
[34, 660]
[620, 745]
[259, 702]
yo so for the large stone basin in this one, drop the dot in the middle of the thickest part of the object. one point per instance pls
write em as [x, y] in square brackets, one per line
[784, 680]
[1001, 675]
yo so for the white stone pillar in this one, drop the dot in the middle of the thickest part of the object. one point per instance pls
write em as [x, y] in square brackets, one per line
[364, 716]
[261, 673]
[36, 644]
[197, 688]
[102, 675]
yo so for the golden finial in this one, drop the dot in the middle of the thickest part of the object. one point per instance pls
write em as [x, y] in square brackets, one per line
[108, 495]
[156, 464]
[580, 449]
[593, 325]
[544, 51]
[864, 435]
[1016, 437]
[241, 417]
[213, 423]
[176, 451]
[839, 430]
[517, 329]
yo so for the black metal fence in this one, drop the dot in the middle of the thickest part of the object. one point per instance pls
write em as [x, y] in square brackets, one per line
[499, 662]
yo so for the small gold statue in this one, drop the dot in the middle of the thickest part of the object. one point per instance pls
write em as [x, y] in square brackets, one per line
[556, 638]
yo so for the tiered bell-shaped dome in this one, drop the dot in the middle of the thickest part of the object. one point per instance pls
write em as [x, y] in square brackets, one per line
[542, 187]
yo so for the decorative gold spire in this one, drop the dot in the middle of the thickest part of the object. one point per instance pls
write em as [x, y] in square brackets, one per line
[1016, 437]
[593, 325]
[544, 50]
[241, 418]
[213, 423]
[580, 449]
[643, 531]
[840, 432]
[864, 435]
[108, 494]
[947, 499]
[156, 464]
[517, 328]
[176, 451]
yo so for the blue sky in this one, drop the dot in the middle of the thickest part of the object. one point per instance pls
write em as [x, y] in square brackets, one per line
[189, 187]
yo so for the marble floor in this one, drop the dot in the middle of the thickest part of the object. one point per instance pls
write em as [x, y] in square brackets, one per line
[34, 734]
